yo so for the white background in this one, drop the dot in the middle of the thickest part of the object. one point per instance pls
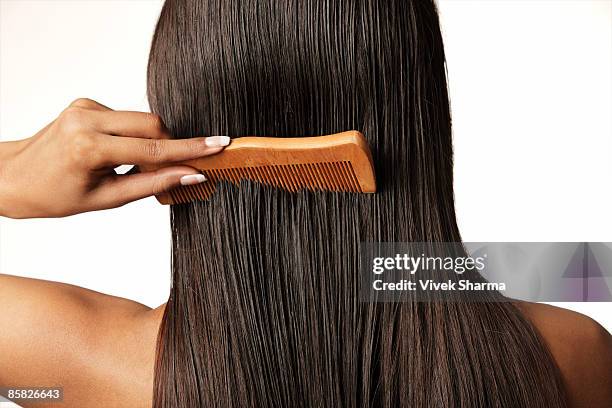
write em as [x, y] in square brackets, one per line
[531, 91]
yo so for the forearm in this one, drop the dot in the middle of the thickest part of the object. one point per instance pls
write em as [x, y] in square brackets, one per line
[8, 150]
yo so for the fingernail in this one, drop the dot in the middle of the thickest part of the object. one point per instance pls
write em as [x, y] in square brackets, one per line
[217, 141]
[192, 179]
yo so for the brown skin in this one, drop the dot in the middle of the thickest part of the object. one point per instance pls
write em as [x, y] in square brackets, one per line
[582, 349]
[101, 348]
[74, 156]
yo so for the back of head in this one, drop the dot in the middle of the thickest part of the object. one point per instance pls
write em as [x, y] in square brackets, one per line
[264, 307]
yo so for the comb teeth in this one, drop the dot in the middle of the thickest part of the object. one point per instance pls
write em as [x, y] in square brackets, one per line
[327, 176]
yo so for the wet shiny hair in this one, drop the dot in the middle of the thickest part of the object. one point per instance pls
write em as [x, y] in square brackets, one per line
[264, 308]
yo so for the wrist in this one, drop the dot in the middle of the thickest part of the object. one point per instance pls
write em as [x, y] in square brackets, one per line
[9, 149]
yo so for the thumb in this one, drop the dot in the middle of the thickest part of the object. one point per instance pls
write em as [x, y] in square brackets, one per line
[127, 188]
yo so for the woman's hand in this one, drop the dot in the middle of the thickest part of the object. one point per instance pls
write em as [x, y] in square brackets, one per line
[68, 167]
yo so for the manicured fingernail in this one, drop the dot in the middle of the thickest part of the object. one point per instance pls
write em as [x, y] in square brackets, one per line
[217, 141]
[192, 179]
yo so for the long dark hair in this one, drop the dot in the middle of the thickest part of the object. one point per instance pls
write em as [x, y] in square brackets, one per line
[264, 308]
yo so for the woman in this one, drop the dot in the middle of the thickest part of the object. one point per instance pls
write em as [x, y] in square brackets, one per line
[264, 307]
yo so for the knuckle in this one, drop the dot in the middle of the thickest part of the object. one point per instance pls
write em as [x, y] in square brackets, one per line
[73, 119]
[82, 103]
[158, 185]
[156, 123]
[95, 156]
[83, 148]
[154, 150]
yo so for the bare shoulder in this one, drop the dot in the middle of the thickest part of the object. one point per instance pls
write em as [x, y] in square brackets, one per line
[582, 349]
[97, 347]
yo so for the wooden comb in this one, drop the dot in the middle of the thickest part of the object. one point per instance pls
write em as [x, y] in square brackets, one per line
[338, 162]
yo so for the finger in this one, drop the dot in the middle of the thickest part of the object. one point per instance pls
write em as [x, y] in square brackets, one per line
[124, 189]
[130, 124]
[126, 150]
